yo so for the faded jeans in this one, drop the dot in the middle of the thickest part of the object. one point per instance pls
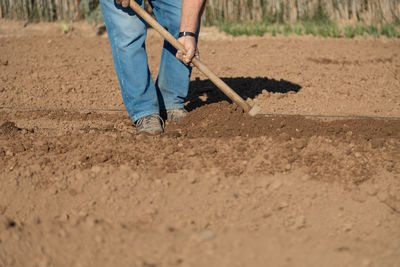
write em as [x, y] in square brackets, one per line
[127, 34]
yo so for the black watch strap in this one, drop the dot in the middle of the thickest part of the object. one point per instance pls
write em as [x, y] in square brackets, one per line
[181, 34]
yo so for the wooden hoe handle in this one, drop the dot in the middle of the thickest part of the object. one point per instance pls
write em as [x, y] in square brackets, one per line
[201, 66]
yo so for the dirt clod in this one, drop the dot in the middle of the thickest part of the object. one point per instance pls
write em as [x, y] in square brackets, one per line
[9, 128]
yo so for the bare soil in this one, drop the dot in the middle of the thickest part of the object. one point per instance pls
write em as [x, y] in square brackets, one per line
[80, 187]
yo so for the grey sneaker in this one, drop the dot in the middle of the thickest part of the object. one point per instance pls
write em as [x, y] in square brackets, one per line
[151, 124]
[176, 114]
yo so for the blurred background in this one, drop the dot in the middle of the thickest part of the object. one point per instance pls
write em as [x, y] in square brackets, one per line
[328, 18]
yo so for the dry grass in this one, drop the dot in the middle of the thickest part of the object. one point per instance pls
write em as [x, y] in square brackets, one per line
[366, 11]
[237, 17]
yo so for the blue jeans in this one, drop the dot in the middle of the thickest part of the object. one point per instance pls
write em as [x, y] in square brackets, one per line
[127, 34]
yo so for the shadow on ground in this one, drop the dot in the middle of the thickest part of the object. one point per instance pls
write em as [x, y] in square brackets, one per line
[204, 92]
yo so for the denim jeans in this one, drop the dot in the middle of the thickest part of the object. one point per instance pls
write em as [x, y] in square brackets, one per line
[127, 34]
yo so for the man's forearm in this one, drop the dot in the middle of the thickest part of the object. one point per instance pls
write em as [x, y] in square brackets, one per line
[191, 13]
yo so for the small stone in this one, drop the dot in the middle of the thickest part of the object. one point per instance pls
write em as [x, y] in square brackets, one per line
[347, 227]
[371, 190]
[276, 185]
[203, 124]
[342, 248]
[83, 213]
[73, 192]
[151, 211]
[193, 180]
[203, 97]
[283, 205]
[96, 169]
[170, 229]
[191, 152]
[359, 197]
[3, 209]
[300, 143]
[300, 222]
[62, 233]
[65, 217]
[267, 215]
[207, 235]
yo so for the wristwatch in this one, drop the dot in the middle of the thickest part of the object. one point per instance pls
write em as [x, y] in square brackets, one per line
[192, 34]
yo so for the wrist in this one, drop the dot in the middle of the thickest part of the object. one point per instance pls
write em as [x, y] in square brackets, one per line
[186, 33]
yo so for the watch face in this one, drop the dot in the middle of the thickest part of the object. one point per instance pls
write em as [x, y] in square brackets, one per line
[181, 34]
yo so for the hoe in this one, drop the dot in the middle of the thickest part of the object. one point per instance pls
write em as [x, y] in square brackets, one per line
[251, 110]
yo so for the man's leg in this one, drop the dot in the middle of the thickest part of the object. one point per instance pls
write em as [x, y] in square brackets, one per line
[174, 76]
[127, 34]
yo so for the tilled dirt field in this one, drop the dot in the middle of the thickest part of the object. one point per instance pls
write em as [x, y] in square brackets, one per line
[79, 186]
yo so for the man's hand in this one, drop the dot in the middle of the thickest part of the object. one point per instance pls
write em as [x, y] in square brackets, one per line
[190, 45]
[190, 19]
[124, 3]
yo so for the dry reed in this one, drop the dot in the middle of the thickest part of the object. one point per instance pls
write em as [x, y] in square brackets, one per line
[368, 11]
